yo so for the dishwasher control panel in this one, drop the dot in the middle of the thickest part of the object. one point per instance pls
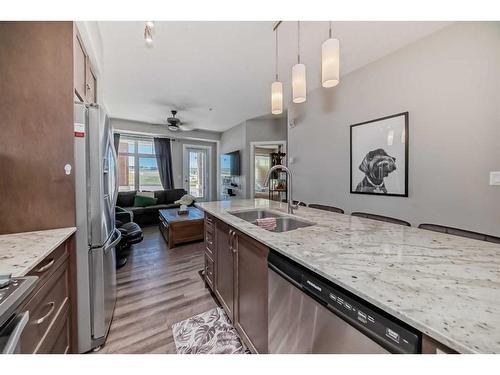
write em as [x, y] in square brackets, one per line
[383, 329]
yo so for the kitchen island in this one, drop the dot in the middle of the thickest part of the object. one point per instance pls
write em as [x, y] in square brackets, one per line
[444, 286]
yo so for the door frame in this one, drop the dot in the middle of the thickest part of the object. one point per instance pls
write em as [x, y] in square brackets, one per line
[252, 160]
[209, 149]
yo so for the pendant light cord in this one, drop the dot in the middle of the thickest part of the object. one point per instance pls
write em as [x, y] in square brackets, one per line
[276, 61]
[298, 42]
[330, 31]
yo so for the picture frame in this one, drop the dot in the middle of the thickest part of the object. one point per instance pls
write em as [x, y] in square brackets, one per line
[379, 152]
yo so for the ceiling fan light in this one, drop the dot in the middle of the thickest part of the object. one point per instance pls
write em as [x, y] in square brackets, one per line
[173, 128]
[330, 63]
[299, 83]
[150, 24]
[276, 98]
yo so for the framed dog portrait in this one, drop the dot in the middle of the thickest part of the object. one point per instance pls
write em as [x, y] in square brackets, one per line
[379, 156]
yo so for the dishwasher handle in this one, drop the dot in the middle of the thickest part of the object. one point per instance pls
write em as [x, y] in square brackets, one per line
[284, 275]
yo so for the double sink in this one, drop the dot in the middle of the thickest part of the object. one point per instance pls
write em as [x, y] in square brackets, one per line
[284, 223]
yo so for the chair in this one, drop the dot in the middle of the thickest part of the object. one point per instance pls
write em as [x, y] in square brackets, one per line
[460, 232]
[300, 203]
[131, 234]
[326, 208]
[381, 218]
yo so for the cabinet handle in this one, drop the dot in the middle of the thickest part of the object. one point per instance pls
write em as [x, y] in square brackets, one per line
[234, 247]
[46, 267]
[45, 317]
[231, 240]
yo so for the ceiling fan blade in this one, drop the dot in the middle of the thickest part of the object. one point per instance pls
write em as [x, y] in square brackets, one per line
[185, 128]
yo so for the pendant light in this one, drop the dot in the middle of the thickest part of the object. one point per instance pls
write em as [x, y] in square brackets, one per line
[298, 75]
[276, 86]
[330, 61]
[148, 34]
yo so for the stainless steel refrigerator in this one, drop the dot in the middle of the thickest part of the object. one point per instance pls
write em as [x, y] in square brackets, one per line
[96, 192]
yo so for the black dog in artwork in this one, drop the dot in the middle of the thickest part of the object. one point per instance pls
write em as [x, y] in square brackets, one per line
[376, 166]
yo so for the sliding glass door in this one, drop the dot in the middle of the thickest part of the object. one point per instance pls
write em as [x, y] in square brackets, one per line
[196, 171]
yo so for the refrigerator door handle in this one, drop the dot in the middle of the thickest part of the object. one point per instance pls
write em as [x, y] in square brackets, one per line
[115, 156]
[115, 241]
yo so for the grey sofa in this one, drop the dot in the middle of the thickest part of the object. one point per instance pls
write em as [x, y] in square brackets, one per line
[147, 215]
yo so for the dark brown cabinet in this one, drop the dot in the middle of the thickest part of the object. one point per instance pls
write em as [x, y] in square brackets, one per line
[85, 81]
[79, 66]
[251, 291]
[50, 326]
[90, 85]
[210, 252]
[239, 268]
[224, 268]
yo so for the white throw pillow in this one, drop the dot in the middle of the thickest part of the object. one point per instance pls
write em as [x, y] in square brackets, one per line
[149, 194]
[186, 199]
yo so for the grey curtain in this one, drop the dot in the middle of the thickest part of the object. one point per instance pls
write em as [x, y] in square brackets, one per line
[116, 139]
[164, 160]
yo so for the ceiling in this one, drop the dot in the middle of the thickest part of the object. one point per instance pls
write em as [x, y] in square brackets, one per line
[218, 74]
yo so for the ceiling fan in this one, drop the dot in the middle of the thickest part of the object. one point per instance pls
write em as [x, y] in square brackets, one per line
[175, 124]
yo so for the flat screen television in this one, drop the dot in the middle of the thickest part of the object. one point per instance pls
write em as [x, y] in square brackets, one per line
[230, 163]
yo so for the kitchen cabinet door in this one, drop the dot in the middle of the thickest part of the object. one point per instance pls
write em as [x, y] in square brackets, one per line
[90, 85]
[224, 271]
[251, 292]
[80, 69]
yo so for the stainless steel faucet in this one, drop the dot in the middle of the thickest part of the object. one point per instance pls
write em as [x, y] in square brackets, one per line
[291, 206]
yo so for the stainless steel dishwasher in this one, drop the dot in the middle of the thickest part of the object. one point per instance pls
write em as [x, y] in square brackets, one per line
[308, 314]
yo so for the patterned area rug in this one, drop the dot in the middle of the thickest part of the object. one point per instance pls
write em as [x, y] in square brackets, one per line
[207, 333]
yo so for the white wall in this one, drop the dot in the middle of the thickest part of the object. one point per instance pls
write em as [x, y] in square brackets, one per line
[450, 84]
[161, 130]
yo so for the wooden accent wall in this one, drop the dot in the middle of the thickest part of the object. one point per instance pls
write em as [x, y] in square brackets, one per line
[36, 126]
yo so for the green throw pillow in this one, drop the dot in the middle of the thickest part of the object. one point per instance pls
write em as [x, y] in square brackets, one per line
[141, 201]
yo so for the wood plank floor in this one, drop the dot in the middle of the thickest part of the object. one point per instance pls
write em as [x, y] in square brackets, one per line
[156, 288]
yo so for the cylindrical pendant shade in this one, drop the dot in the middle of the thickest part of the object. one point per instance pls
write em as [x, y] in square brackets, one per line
[330, 62]
[276, 98]
[299, 83]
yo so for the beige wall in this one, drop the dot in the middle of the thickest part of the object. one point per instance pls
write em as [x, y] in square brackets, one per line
[450, 84]
[240, 136]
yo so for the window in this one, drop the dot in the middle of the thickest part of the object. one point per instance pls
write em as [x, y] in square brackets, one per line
[137, 165]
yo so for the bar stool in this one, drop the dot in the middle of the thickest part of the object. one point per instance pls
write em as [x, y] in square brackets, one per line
[387, 219]
[460, 232]
[326, 208]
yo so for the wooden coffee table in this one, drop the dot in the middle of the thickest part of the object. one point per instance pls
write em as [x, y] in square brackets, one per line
[177, 228]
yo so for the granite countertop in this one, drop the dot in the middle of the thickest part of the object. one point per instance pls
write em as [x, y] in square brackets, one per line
[445, 286]
[20, 252]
